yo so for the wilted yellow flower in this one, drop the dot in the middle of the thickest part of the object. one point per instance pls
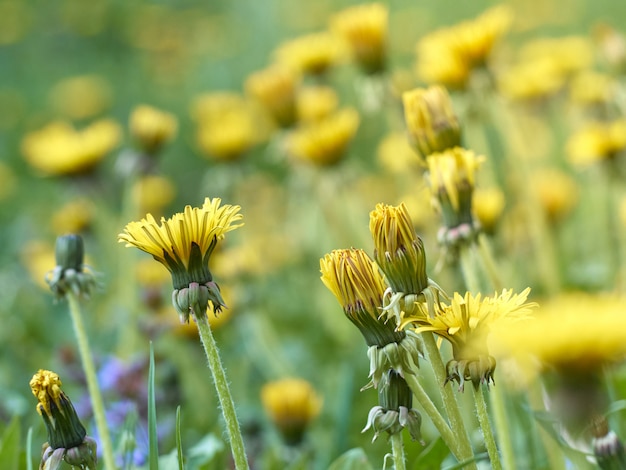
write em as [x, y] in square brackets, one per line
[597, 142]
[590, 87]
[430, 120]
[487, 204]
[151, 127]
[448, 55]
[315, 102]
[59, 149]
[152, 193]
[557, 192]
[292, 404]
[184, 244]
[275, 88]
[396, 155]
[324, 142]
[310, 54]
[364, 28]
[81, 97]
[74, 217]
[466, 322]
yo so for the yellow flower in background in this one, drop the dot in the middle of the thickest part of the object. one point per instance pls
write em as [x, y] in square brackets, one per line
[315, 102]
[569, 54]
[312, 54]
[611, 44]
[152, 193]
[59, 149]
[589, 87]
[487, 205]
[151, 128]
[557, 192]
[184, 244]
[364, 28]
[292, 404]
[430, 120]
[466, 323]
[396, 155]
[533, 79]
[74, 217]
[448, 55]
[275, 89]
[81, 97]
[597, 142]
[324, 142]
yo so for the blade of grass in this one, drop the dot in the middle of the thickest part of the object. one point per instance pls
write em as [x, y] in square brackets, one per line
[179, 442]
[152, 427]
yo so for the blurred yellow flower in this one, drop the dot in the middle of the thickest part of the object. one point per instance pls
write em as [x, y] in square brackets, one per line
[597, 142]
[275, 88]
[312, 54]
[448, 55]
[315, 102]
[38, 258]
[589, 87]
[396, 155]
[81, 97]
[59, 149]
[557, 192]
[74, 217]
[292, 404]
[487, 205]
[324, 142]
[533, 79]
[152, 193]
[569, 53]
[364, 28]
[151, 127]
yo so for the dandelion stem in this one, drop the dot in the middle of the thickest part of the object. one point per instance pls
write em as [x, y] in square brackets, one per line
[92, 381]
[502, 425]
[486, 256]
[485, 426]
[472, 281]
[223, 391]
[447, 394]
[397, 447]
[433, 413]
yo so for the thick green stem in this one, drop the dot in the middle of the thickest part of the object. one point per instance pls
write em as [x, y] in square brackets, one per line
[485, 426]
[449, 399]
[397, 447]
[92, 381]
[433, 413]
[223, 391]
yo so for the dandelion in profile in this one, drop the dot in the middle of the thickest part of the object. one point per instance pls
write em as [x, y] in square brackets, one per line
[184, 244]
[67, 437]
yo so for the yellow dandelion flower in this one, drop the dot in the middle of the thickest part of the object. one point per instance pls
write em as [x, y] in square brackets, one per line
[74, 217]
[58, 149]
[569, 54]
[487, 205]
[430, 120]
[46, 386]
[324, 142]
[184, 244]
[81, 97]
[466, 322]
[152, 193]
[151, 127]
[364, 28]
[557, 193]
[589, 87]
[310, 54]
[275, 88]
[315, 102]
[597, 142]
[396, 155]
[534, 79]
[292, 404]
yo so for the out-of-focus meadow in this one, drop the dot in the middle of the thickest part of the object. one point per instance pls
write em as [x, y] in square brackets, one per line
[307, 150]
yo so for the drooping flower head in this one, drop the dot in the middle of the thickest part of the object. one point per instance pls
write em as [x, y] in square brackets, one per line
[466, 322]
[184, 244]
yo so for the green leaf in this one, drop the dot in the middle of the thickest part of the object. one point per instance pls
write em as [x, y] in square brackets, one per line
[354, 459]
[205, 451]
[152, 425]
[179, 441]
[432, 456]
[10, 444]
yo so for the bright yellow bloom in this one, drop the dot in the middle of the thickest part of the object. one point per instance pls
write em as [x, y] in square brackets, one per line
[151, 127]
[292, 404]
[364, 28]
[58, 149]
[597, 142]
[324, 142]
[488, 204]
[46, 386]
[314, 103]
[310, 54]
[275, 88]
[430, 120]
[81, 97]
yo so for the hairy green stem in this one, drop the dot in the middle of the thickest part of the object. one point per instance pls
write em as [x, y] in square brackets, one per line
[223, 391]
[397, 448]
[92, 381]
[485, 426]
[502, 425]
[449, 399]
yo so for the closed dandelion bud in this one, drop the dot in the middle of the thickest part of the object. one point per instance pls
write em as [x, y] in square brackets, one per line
[67, 438]
[69, 273]
[151, 128]
[432, 124]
